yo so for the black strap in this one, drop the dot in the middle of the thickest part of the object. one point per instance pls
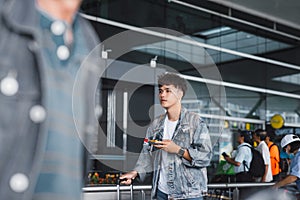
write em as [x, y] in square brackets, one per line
[272, 146]
[245, 165]
[244, 161]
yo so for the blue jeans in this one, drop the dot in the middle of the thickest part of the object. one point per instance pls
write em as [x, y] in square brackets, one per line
[164, 196]
[161, 195]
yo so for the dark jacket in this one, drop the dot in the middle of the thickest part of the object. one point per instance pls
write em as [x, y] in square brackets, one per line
[21, 139]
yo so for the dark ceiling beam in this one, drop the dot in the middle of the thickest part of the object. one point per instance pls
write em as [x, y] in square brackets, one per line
[258, 103]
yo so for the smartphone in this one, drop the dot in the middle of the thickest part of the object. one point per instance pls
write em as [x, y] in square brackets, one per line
[153, 141]
[224, 154]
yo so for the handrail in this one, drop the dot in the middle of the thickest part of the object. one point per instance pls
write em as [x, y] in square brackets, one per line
[233, 189]
[114, 188]
[149, 187]
[239, 185]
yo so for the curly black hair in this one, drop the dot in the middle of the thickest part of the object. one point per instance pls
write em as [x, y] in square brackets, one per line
[172, 79]
[247, 136]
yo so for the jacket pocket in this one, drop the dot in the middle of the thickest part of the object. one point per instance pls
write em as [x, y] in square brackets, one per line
[194, 177]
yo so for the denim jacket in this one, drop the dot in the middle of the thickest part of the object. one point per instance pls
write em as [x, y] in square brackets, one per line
[185, 179]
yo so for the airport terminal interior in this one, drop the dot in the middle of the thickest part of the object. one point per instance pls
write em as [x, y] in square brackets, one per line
[240, 59]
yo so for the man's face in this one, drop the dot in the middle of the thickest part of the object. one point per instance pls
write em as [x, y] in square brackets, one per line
[169, 96]
[287, 149]
[240, 139]
[255, 137]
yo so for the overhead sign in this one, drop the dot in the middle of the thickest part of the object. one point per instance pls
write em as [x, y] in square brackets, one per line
[277, 121]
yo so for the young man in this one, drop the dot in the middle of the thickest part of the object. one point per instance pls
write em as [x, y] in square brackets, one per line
[177, 162]
[243, 157]
[291, 145]
[42, 45]
[274, 156]
[259, 136]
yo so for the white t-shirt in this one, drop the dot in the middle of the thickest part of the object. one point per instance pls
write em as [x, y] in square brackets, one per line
[243, 154]
[169, 128]
[264, 150]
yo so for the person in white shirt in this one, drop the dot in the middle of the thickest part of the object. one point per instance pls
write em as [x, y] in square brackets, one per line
[243, 157]
[259, 137]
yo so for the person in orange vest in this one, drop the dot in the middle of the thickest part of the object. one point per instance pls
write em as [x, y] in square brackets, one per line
[275, 157]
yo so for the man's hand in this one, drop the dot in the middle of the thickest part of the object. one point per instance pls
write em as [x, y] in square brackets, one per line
[128, 177]
[168, 146]
[227, 158]
[287, 180]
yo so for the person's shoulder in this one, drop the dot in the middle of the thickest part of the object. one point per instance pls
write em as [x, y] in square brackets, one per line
[194, 115]
[88, 31]
[259, 145]
[298, 154]
[265, 149]
[245, 145]
[264, 145]
[270, 144]
[273, 147]
[194, 118]
[158, 118]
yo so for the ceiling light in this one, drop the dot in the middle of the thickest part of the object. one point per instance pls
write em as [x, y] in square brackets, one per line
[213, 31]
[104, 53]
[153, 62]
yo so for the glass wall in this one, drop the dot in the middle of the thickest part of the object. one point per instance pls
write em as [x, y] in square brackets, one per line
[241, 71]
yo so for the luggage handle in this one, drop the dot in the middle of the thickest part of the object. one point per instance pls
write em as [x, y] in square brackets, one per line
[118, 188]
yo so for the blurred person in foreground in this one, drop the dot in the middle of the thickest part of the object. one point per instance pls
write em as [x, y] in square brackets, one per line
[182, 147]
[291, 145]
[243, 157]
[267, 194]
[42, 45]
[259, 136]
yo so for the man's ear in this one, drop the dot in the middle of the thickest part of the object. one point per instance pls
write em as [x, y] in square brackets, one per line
[180, 92]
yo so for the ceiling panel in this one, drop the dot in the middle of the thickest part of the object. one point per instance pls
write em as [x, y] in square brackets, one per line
[282, 11]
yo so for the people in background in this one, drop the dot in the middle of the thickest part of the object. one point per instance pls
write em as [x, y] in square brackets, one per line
[259, 136]
[285, 160]
[291, 145]
[42, 46]
[274, 156]
[179, 150]
[243, 157]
